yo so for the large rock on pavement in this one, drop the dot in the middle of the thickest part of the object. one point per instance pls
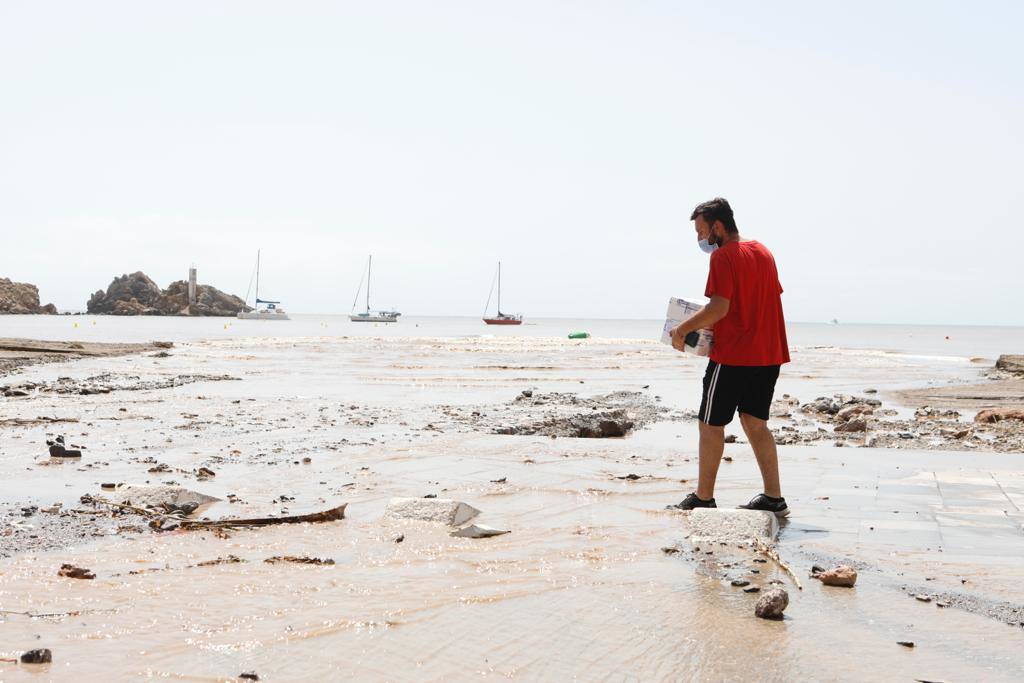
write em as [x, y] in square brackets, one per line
[21, 297]
[772, 603]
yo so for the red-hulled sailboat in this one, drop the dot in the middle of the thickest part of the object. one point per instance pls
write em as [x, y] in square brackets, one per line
[501, 318]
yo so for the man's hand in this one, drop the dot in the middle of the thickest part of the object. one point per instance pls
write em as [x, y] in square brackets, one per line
[678, 338]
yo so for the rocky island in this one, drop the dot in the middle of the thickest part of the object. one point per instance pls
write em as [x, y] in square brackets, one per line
[137, 294]
[21, 297]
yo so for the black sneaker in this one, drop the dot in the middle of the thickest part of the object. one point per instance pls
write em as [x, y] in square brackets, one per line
[765, 502]
[692, 502]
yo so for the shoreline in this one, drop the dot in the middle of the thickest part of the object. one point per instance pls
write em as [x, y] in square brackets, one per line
[526, 430]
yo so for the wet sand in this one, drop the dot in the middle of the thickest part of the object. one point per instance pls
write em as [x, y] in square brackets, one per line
[581, 587]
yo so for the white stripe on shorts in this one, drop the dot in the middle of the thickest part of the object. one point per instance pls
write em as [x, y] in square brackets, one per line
[711, 393]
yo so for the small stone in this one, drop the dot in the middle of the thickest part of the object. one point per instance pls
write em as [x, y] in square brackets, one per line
[40, 656]
[843, 576]
[249, 676]
[670, 550]
[307, 460]
[72, 572]
[905, 643]
[772, 604]
[752, 589]
[923, 598]
[399, 538]
[730, 438]
[740, 583]
[108, 485]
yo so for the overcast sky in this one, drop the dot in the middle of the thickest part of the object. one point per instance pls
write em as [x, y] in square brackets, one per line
[876, 148]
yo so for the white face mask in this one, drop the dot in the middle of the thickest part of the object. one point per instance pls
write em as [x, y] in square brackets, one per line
[707, 247]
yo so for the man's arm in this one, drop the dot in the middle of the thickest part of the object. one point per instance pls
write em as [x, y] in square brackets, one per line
[714, 311]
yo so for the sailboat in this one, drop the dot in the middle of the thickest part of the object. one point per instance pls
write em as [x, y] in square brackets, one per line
[369, 316]
[270, 310]
[501, 318]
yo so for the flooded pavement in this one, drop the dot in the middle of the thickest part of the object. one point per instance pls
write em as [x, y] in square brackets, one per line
[580, 587]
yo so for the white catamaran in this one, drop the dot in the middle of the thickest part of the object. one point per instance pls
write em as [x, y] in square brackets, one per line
[270, 310]
[369, 316]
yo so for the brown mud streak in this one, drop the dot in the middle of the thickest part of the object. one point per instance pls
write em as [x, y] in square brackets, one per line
[19, 353]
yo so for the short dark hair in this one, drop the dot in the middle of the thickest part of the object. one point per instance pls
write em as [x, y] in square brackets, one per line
[717, 209]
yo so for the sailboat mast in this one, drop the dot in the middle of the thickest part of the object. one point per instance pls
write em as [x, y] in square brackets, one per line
[255, 304]
[499, 287]
[369, 267]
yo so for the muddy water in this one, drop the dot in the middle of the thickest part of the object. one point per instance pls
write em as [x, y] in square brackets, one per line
[581, 588]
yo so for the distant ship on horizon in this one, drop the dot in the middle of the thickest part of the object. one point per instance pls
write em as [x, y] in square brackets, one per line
[501, 318]
[369, 316]
[270, 310]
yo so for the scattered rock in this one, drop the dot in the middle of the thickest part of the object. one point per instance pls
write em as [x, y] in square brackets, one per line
[752, 589]
[730, 438]
[40, 656]
[923, 598]
[843, 576]
[205, 473]
[740, 583]
[72, 572]
[992, 415]
[249, 676]
[772, 603]
[905, 643]
[856, 424]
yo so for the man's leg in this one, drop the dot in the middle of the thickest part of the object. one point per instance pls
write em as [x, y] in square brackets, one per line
[763, 443]
[712, 445]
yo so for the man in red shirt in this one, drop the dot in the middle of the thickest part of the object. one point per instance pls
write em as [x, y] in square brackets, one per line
[745, 312]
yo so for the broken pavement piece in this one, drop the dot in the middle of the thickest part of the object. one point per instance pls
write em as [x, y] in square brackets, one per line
[717, 525]
[445, 510]
[157, 496]
[479, 531]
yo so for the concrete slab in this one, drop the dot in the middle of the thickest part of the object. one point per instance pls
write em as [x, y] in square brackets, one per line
[714, 525]
[447, 511]
[151, 495]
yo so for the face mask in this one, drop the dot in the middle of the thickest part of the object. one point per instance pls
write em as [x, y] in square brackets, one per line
[706, 245]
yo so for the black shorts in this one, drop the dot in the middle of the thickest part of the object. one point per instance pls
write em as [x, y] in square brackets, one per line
[730, 388]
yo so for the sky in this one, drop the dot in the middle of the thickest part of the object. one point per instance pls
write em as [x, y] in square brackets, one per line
[875, 147]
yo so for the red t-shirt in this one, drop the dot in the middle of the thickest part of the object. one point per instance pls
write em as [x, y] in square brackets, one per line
[753, 332]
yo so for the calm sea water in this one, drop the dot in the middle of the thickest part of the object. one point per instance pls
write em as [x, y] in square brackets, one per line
[930, 340]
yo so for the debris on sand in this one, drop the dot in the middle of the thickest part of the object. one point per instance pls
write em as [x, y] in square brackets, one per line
[445, 510]
[905, 643]
[298, 560]
[59, 450]
[332, 515]
[993, 415]
[479, 531]
[713, 525]
[843, 576]
[159, 496]
[40, 656]
[772, 603]
[72, 572]
[249, 676]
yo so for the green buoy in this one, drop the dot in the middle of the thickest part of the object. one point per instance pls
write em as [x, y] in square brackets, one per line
[579, 335]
